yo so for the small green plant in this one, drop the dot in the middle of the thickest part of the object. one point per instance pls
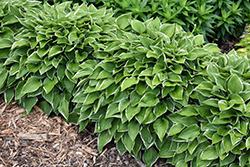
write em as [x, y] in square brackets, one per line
[244, 43]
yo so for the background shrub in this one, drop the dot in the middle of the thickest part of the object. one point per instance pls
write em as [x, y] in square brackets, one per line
[153, 88]
[214, 19]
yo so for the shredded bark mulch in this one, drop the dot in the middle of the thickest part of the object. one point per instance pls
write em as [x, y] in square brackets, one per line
[38, 140]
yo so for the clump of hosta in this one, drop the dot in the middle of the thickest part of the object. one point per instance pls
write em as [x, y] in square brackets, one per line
[215, 131]
[133, 79]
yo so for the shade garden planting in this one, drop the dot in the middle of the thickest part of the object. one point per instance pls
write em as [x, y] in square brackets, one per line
[154, 89]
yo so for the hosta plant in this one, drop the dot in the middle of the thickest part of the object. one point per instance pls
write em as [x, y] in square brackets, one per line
[214, 19]
[215, 131]
[148, 86]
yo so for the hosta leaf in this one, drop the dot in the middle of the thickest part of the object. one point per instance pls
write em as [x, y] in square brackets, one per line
[193, 146]
[29, 103]
[248, 143]
[8, 95]
[235, 84]
[32, 84]
[127, 82]
[124, 20]
[168, 29]
[45, 107]
[112, 109]
[176, 128]
[105, 83]
[190, 133]
[177, 93]
[132, 111]
[148, 100]
[209, 153]
[243, 159]
[64, 108]
[103, 139]
[120, 147]
[188, 111]
[160, 127]
[55, 50]
[160, 108]
[3, 77]
[198, 39]
[150, 156]
[227, 144]
[138, 26]
[49, 84]
[133, 129]
[128, 143]
[181, 163]
[5, 43]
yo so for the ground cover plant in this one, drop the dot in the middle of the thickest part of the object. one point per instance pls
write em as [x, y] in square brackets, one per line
[152, 88]
[214, 19]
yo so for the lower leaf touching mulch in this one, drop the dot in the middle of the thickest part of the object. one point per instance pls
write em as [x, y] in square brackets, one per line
[39, 140]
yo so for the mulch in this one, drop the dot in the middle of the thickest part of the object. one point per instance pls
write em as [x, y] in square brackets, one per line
[38, 140]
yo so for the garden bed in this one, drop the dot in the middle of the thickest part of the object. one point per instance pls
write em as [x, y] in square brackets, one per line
[39, 140]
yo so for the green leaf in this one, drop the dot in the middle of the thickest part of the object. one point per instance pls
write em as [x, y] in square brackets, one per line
[5, 43]
[193, 146]
[8, 95]
[64, 108]
[49, 84]
[190, 133]
[123, 20]
[128, 143]
[148, 100]
[160, 108]
[211, 102]
[160, 127]
[227, 144]
[45, 107]
[209, 153]
[55, 50]
[120, 147]
[132, 111]
[111, 110]
[235, 84]
[188, 111]
[248, 143]
[150, 156]
[138, 26]
[133, 129]
[168, 29]
[32, 84]
[29, 103]
[176, 128]
[128, 82]
[198, 40]
[103, 139]
[3, 77]
[177, 93]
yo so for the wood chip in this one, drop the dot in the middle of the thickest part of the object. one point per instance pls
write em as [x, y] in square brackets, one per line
[7, 132]
[20, 111]
[32, 136]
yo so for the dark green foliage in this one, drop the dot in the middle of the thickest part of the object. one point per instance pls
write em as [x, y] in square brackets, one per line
[155, 89]
[214, 19]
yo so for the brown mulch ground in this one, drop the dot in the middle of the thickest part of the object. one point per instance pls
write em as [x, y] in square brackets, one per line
[39, 140]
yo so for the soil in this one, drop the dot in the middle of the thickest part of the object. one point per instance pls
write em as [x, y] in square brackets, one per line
[39, 140]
